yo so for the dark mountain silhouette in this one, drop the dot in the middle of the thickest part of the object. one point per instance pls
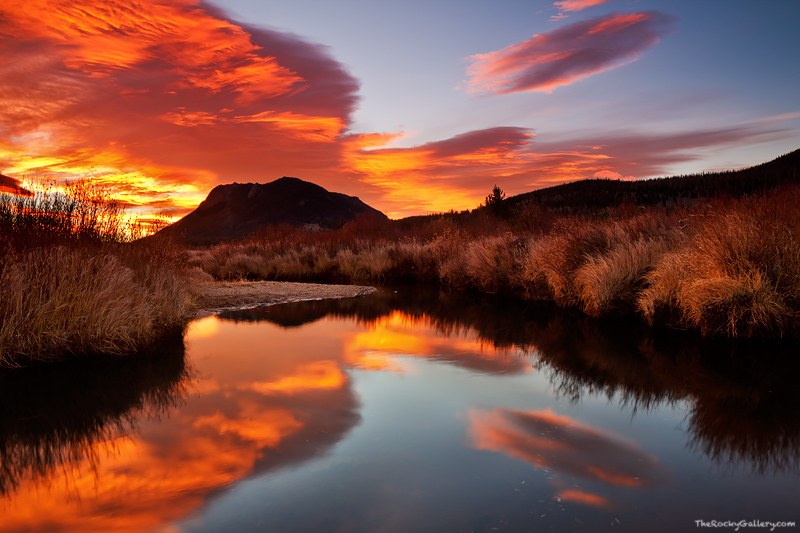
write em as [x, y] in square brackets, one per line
[592, 196]
[595, 194]
[236, 210]
[12, 186]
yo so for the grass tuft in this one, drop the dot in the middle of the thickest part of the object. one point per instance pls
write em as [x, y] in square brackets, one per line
[71, 282]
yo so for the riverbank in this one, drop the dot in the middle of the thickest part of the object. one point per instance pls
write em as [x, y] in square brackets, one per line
[211, 297]
[726, 268]
[75, 280]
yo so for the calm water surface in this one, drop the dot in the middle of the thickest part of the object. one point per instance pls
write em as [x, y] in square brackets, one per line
[406, 412]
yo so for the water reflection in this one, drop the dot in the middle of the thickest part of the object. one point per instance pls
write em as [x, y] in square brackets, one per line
[55, 414]
[569, 448]
[744, 405]
[137, 444]
[134, 444]
[559, 443]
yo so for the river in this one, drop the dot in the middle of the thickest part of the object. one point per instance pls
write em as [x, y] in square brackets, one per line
[407, 411]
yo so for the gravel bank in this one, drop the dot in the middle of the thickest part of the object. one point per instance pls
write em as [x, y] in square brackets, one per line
[213, 297]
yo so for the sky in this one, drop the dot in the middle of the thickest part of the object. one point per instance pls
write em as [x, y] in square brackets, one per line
[416, 107]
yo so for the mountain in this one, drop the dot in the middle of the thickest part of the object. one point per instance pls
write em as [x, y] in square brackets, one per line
[236, 210]
[595, 194]
[12, 186]
[592, 196]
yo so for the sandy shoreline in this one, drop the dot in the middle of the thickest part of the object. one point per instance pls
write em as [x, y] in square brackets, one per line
[214, 297]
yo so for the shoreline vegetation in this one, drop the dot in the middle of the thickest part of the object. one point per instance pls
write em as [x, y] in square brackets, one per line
[725, 266]
[75, 278]
[73, 281]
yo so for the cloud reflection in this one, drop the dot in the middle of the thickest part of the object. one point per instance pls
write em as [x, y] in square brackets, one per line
[249, 418]
[402, 335]
[559, 443]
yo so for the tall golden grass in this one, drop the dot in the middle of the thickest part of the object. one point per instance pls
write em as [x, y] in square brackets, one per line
[726, 267]
[738, 274]
[71, 284]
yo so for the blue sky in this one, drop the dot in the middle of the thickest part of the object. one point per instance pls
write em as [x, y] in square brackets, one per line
[724, 63]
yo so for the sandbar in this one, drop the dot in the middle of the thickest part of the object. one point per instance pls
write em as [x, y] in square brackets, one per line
[217, 296]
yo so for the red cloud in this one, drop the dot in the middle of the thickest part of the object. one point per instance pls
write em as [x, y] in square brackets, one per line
[568, 54]
[163, 99]
[578, 5]
[574, 5]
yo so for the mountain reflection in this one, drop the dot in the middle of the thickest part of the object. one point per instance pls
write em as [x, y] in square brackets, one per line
[744, 404]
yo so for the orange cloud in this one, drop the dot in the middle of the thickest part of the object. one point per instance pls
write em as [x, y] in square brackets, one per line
[441, 175]
[313, 376]
[568, 54]
[106, 36]
[578, 5]
[458, 173]
[160, 103]
[162, 99]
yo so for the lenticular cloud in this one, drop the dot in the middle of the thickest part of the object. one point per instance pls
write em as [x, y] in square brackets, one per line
[568, 54]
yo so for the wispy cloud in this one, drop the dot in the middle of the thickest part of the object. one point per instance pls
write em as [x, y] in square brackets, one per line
[164, 101]
[783, 116]
[578, 5]
[574, 5]
[457, 173]
[566, 55]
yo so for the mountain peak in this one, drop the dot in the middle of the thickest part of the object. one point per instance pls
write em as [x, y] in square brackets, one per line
[236, 210]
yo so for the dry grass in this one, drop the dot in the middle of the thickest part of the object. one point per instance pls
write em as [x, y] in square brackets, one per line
[737, 275]
[64, 300]
[611, 281]
[69, 284]
[600, 267]
[728, 268]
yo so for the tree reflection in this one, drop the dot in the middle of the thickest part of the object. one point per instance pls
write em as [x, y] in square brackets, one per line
[744, 407]
[57, 413]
